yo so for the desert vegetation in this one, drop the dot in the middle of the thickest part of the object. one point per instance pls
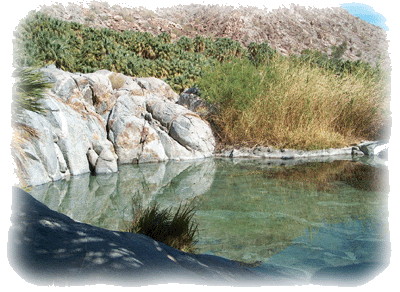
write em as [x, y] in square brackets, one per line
[292, 103]
[177, 230]
[308, 101]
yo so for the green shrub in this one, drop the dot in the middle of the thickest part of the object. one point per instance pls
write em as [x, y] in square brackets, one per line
[235, 84]
[338, 51]
[260, 53]
[176, 230]
[186, 44]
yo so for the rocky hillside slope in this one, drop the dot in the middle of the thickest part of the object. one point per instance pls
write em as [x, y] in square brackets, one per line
[289, 30]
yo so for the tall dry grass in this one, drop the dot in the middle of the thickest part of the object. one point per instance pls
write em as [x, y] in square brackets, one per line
[294, 105]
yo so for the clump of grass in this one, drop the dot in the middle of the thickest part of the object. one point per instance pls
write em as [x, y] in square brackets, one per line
[28, 91]
[117, 80]
[177, 230]
[294, 105]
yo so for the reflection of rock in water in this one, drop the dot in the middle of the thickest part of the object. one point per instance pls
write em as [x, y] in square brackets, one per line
[106, 200]
[185, 180]
[169, 182]
[85, 198]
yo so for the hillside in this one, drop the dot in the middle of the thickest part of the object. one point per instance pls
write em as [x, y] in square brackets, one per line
[288, 30]
[258, 95]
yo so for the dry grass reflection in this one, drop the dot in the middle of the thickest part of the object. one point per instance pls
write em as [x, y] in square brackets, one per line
[254, 210]
[322, 176]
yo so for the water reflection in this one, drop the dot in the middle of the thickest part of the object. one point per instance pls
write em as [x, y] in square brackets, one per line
[247, 210]
[255, 212]
[105, 200]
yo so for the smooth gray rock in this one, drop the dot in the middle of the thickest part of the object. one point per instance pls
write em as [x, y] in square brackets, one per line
[32, 171]
[368, 147]
[184, 126]
[85, 90]
[135, 140]
[157, 87]
[190, 100]
[150, 128]
[40, 160]
[105, 159]
[164, 111]
[128, 104]
[92, 158]
[285, 154]
[64, 84]
[131, 87]
[60, 158]
[66, 133]
[103, 97]
[371, 148]
[191, 131]
[175, 150]
[106, 163]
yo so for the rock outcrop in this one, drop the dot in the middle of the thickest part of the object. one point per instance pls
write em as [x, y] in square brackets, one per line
[96, 121]
[190, 99]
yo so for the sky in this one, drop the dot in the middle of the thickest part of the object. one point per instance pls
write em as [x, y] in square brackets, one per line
[367, 13]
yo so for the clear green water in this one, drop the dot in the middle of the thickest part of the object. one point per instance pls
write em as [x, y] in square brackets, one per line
[314, 215]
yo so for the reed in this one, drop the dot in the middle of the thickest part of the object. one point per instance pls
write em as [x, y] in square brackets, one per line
[177, 230]
[294, 105]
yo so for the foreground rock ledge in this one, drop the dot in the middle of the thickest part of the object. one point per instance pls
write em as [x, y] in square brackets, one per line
[46, 248]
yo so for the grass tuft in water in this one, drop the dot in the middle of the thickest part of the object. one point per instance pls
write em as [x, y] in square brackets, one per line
[177, 230]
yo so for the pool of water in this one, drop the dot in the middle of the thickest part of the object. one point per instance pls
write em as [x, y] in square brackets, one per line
[307, 216]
